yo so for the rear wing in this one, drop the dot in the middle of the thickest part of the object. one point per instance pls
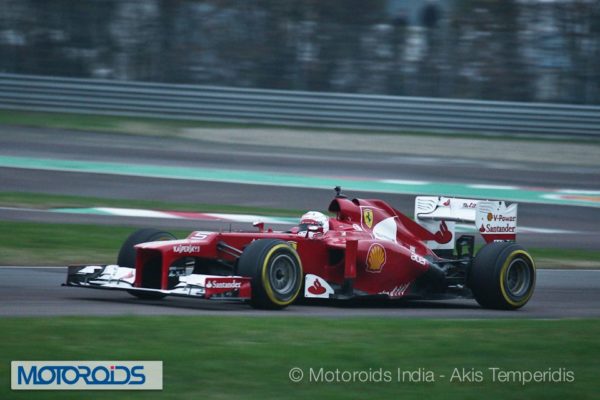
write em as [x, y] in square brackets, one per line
[495, 220]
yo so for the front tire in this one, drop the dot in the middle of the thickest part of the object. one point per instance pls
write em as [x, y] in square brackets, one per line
[502, 276]
[126, 258]
[276, 272]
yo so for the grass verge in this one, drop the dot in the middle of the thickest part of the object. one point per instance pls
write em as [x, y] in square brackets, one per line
[33, 243]
[250, 358]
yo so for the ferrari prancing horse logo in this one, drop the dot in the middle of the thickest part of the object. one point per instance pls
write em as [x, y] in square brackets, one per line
[368, 217]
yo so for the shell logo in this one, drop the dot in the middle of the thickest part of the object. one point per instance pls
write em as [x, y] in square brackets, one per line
[490, 216]
[376, 258]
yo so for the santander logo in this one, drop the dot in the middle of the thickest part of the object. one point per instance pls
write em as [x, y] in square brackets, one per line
[443, 235]
[316, 288]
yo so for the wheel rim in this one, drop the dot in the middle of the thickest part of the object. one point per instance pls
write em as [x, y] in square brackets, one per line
[282, 275]
[517, 280]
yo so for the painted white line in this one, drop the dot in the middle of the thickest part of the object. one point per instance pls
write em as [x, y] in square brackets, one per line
[576, 191]
[134, 212]
[493, 187]
[584, 198]
[403, 182]
[249, 218]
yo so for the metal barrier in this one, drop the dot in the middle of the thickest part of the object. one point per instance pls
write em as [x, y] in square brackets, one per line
[307, 109]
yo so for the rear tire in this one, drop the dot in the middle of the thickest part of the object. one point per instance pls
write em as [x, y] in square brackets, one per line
[126, 258]
[502, 276]
[276, 272]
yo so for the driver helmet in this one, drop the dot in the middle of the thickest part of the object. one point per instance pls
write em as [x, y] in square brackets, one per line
[314, 218]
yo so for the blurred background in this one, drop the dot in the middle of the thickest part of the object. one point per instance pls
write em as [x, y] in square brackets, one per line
[525, 50]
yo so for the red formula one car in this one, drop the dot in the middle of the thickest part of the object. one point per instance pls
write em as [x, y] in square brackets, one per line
[368, 249]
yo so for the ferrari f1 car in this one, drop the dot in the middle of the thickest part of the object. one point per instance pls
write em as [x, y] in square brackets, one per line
[369, 249]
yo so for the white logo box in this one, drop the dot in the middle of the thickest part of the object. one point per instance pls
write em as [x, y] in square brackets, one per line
[86, 375]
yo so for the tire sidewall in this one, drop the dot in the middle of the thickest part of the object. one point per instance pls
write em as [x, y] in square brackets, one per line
[256, 262]
[487, 276]
[504, 261]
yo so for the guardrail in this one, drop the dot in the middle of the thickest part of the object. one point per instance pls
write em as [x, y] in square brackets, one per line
[307, 109]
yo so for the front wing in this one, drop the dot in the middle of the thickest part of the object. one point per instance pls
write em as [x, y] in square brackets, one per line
[113, 277]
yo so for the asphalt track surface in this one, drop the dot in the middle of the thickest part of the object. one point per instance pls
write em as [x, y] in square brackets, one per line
[38, 292]
[581, 222]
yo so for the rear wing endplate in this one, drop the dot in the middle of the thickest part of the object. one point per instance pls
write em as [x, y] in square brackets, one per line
[495, 220]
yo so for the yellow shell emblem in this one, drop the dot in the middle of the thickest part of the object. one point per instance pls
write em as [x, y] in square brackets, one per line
[368, 217]
[375, 258]
[293, 244]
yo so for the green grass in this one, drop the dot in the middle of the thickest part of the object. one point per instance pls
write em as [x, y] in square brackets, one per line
[33, 243]
[566, 254]
[164, 127]
[250, 358]
[47, 201]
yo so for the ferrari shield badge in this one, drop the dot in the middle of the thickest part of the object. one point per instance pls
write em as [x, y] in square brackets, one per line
[367, 215]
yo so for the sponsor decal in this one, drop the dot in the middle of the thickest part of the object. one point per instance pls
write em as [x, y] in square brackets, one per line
[186, 248]
[443, 235]
[501, 218]
[469, 205]
[223, 285]
[316, 288]
[489, 228]
[446, 203]
[397, 291]
[293, 244]
[199, 236]
[86, 375]
[376, 258]
[417, 258]
[356, 228]
[367, 215]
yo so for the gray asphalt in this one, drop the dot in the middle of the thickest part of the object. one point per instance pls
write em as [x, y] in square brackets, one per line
[37, 292]
[185, 152]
